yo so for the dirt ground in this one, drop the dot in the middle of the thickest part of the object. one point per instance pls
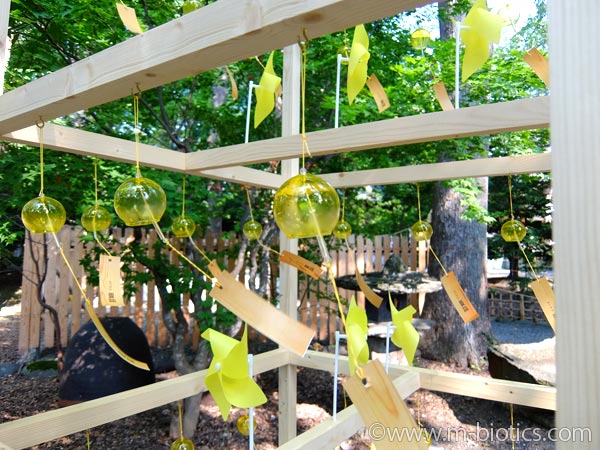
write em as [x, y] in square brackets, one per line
[463, 422]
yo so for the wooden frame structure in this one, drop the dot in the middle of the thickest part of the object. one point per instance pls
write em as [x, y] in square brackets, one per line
[230, 30]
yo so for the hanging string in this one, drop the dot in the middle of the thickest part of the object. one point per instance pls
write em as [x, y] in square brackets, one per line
[40, 127]
[136, 132]
[510, 198]
[180, 419]
[512, 426]
[87, 437]
[438, 260]
[183, 196]
[96, 238]
[303, 47]
[419, 201]
[249, 202]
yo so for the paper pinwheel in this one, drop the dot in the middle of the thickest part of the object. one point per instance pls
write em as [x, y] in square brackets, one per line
[357, 66]
[265, 92]
[480, 27]
[356, 335]
[228, 379]
[405, 335]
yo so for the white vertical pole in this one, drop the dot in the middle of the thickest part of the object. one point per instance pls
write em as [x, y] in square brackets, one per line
[336, 369]
[457, 68]
[4, 40]
[250, 410]
[575, 132]
[251, 86]
[338, 86]
[288, 284]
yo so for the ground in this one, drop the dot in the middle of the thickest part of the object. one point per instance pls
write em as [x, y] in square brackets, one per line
[464, 422]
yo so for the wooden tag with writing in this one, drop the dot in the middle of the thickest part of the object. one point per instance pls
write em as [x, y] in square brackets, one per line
[380, 405]
[110, 281]
[378, 93]
[369, 294]
[539, 64]
[302, 264]
[259, 313]
[545, 297]
[442, 96]
[129, 18]
[459, 298]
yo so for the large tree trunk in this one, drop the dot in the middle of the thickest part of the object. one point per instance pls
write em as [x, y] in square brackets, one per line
[462, 247]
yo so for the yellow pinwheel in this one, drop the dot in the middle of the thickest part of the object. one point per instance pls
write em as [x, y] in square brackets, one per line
[480, 27]
[228, 379]
[358, 63]
[356, 336]
[265, 92]
[405, 335]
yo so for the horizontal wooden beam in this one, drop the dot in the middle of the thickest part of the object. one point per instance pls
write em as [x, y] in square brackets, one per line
[215, 35]
[80, 142]
[485, 167]
[33, 430]
[453, 383]
[329, 433]
[474, 121]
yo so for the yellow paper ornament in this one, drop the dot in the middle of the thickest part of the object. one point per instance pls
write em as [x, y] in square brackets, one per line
[342, 230]
[183, 226]
[96, 218]
[252, 230]
[420, 39]
[513, 231]
[43, 215]
[140, 201]
[422, 231]
[306, 206]
[243, 424]
[182, 444]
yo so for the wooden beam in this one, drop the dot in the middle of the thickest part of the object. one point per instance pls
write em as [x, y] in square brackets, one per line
[329, 433]
[454, 383]
[494, 118]
[80, 142]
[576, 196]
[486, 167]
[215, 35]
[33, 430]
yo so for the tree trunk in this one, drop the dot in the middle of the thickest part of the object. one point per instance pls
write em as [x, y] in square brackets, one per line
[462, 247]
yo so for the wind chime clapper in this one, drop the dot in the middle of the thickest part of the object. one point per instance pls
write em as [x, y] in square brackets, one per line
[422, 231]
[514, 231]
[47, 215]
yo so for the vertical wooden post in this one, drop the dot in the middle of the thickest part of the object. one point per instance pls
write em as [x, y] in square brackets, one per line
[575, 112]
[288, 274]
[4, 40]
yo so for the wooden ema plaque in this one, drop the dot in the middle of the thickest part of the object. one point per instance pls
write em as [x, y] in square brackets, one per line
[378, 93]
[110, 281]
[259, 313]
[539, 64]
[380, 405]
[442, 96]
[459, 298]
[302, 264]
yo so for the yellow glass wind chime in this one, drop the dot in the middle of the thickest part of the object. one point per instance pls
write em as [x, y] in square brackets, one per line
[141, 201]
[514, 231]
[47, 215]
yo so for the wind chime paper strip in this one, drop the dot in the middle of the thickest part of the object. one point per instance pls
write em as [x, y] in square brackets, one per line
[378, 93]
[234, 88]
[369, 294]
[442, 96]
[259, 313]
[129, 18]
[545, 297]
[110, 281]
[458, 297]
[378, 402]
[539, 64]
[309, 268]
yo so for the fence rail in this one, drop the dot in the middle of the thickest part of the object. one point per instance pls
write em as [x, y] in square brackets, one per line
[509, 305]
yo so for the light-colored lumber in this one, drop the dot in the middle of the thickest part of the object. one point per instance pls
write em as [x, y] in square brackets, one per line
[80, 142]
[484, 167]
[453, 383]
[288, 277]
[50, 425]
[474, 121]
[215, 35]
[575, 166]
[329, 433]
[4, 40]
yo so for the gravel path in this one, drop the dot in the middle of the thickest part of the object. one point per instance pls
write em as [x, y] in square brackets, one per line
[521, 332]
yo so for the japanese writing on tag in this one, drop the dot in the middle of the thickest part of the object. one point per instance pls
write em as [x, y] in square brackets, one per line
[458, 297]
[302, 264]
[110, 281]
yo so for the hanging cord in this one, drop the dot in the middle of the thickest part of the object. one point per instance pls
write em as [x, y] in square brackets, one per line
[512, 426]
[136, 132]
[419, 201]
[512, 217]
[303, 48]
[40, 127]
[249, 202]
[87, 438]
[430, 247]
[183, 196]
[96, 204]
[180, 419]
